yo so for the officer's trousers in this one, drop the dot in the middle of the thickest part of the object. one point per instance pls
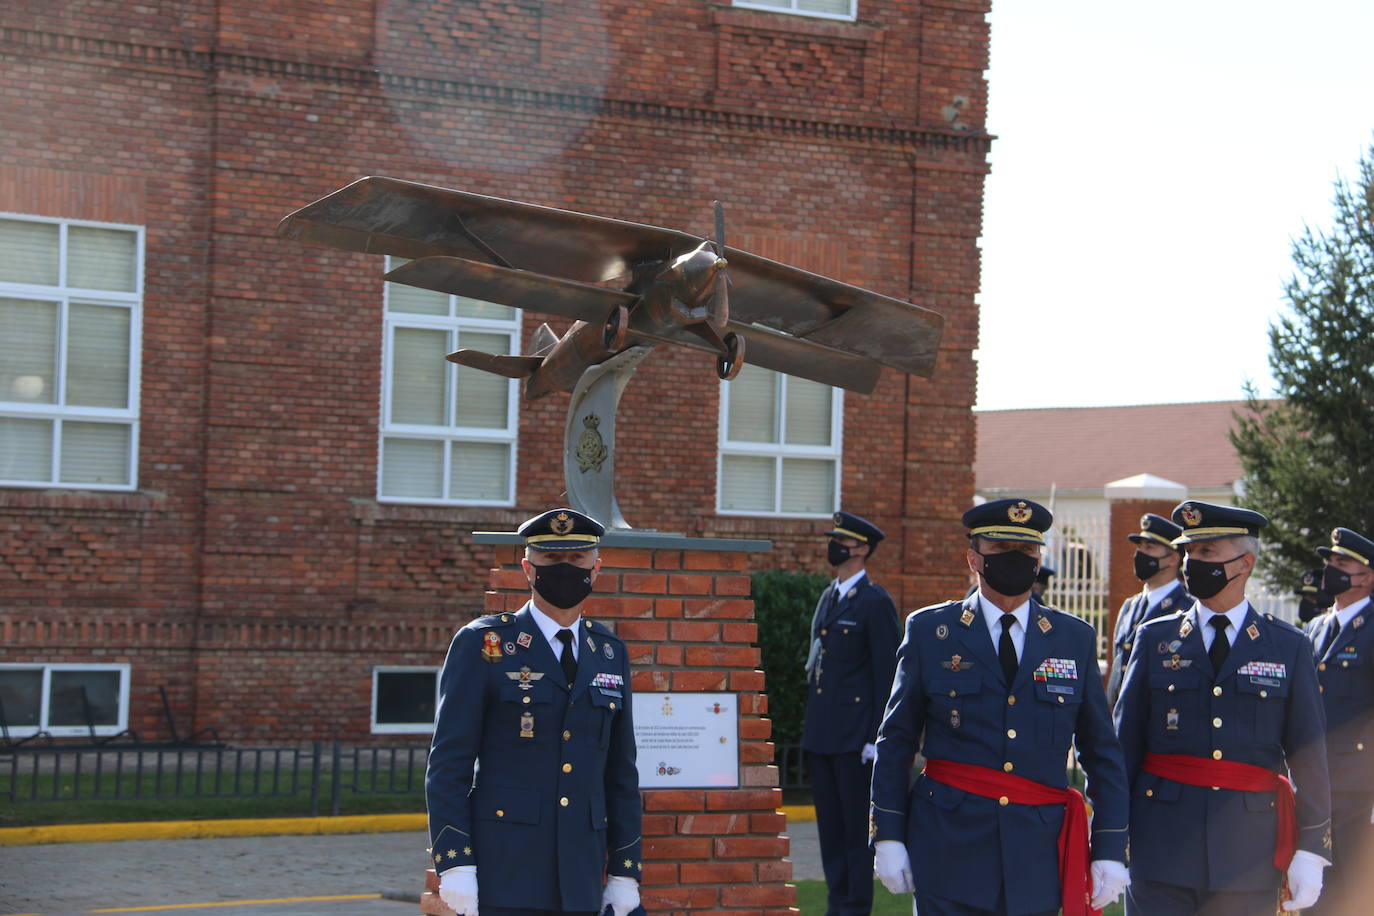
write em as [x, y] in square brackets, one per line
[1155, 898]
[938, 906]
[839, 783]
[1348, 886]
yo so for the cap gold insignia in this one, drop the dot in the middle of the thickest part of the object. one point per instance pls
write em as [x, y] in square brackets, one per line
[838, 518]
[966, 618]
[1044, 625]
[1308, 578]
[1335, 535]
[1252, 631]
[1019, 513]
[941, 632]
[562, 523]
[1191, 516]
[1145, 522]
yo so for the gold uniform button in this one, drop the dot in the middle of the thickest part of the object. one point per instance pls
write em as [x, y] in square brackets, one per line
[856, 700]
[563, 801]
[1171, 688]
[613, 704]
[1125, 647]
[1345, 664]
[1006, 767]
[524, 699]
[1322, 666]
[567, 735]
[1216, 755]
[818, 690]
[954, 693]
[1321, 689]
[1004, 801]
[1264, 694]
[1060, 699]
[1011, 733]
[1149, 793]
[500, 813]
[1359, 745]
[823, 632]
[1216, 723]
[1216, 691]
[1011, 701]
[567, 768]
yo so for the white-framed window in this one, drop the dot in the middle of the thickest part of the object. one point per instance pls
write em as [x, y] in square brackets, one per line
[448, 432]
[71, 304]
[825, 9]
[780, 445]
[404, 700]
[64, 700]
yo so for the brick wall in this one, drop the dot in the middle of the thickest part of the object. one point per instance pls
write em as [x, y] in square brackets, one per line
[852, 149]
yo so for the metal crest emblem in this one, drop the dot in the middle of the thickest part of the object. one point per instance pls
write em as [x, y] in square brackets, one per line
[1335, 535]
[607, 650]
[1185, 629]
[1171, 720]
[1191, 515]
[1252, 631]
[838, 518]
[525, 677]
[1145, 522]
[942, 632]
[1019, 513]
[966, 618]
[562, 523]
[524, 640]
[954, 718]
[591, 448]
[1357, 622]
[527, 725]
[1044, 624]
[491, 647]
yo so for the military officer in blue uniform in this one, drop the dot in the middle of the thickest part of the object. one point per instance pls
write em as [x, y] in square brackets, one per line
[532, 789]
[1157, 563]
[993, 690]
[1218, 703]
[1343, 642]
[854, 633]
[1312, 601]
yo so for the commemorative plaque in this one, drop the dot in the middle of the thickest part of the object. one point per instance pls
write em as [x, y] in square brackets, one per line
[687, 740]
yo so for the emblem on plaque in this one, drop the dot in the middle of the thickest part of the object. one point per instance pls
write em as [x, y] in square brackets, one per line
[591, 449]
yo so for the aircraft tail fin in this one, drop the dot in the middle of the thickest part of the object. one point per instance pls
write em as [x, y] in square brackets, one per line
[509, 366]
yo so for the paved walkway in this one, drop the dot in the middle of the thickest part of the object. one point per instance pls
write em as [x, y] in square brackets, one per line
[228, 875]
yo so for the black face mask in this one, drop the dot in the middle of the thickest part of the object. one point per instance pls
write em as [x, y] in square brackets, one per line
[1335, 582]
[1146, 566]
[563, 584]
[836, 553]
[1309, 608]
[1204, 579]
[1011, 573]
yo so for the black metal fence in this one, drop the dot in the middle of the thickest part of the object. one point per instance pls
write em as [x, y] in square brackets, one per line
[56, 773]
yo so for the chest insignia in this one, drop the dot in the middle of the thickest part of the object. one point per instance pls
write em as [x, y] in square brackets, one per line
[1357, 622]
[1174, 662]
[606, 679]
[525, 677]
[1166, 604]
[942, 632]
[954, 718]
[966, 618]
[510, 648]
[491, 647]
[1171, 720]
[1252, 631]
[1263, 669]
[524, 639]
[956, 663]
[1057, 667]
[527, 724]
[1044, 624]
[1168, 648]
[1185, 628]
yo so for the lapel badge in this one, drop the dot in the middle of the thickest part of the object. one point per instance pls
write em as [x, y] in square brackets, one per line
[942, 632]
[527, 725]
[510, 648]
[1171, 720]
[1185, 629]
[1044, 624]
[525, 677]
[966, 618]
[591, 645]
[1252, 631]
[491, 647]
[954, 718]
[1163, 648]
[1358, 622]
[524, 640]
[607, 650]
[1166, 604]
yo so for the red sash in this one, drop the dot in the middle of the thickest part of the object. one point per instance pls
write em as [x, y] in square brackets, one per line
[1075, 882]
[1239, 777]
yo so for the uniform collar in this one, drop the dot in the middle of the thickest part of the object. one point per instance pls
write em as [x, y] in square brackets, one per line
[1347, 614]
[1156, 595]
[848, 585]
[550, 627]
[1236, 616]
[993, 614]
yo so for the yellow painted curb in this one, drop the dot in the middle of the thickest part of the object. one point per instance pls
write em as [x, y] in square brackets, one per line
[178, 830]
[795, 812]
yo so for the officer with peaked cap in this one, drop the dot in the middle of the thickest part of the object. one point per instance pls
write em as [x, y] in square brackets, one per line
[1312, 601]
[1219, 708]
[532, 789]
[1042, 582]
[1157, 564]
[993, 690]
[854, 633]
[1343, 642]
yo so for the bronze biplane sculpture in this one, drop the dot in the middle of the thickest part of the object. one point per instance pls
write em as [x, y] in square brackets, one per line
[629, 287]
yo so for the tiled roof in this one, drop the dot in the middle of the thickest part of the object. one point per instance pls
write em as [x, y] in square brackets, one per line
[1087, 447]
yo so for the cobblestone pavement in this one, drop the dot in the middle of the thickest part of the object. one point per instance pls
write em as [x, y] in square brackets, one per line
[68, 879]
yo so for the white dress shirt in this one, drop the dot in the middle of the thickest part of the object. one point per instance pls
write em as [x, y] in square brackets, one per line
[1204, 616]
[550, 627]
[992, 615]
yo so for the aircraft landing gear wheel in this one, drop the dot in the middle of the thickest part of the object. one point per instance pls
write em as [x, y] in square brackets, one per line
[729, 365]
[613, 334]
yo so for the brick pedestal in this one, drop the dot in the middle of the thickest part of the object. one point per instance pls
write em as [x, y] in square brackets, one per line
[687, 619]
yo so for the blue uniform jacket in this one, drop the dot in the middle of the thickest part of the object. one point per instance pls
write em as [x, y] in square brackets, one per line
[530, 781]
[949, 689]
[1263, 708]
[1129, 619]
[858, 654]
[1346, 673]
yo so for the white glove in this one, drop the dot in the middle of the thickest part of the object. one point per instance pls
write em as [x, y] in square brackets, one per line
[870, 752]
[458, 889]
[893, 865]
[621, 895]
[1304, 880]
[1371, 815]
[1110, 878]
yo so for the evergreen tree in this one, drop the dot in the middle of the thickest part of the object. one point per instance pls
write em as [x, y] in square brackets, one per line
[1308, 460]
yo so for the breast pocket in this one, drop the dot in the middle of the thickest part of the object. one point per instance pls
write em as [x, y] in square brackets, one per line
[1346, 676]
[1057, 711]
[606, 705]
[1176, 703]
[525, 711]
[847, 639]
[1262, 700]
[954, 698]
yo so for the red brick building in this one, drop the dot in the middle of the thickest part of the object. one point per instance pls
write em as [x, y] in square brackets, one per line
[221, 473]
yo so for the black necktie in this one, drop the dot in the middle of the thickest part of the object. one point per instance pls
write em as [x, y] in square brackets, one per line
[1006, 649]
[1221, 646]
[566, 659]
[1333, 633]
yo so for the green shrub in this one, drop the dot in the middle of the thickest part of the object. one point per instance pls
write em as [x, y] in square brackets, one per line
[783, 605]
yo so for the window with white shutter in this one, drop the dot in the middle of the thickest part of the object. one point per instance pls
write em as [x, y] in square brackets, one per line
[780, 445]
[71, 298]
[828, 9]
[448, 432]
